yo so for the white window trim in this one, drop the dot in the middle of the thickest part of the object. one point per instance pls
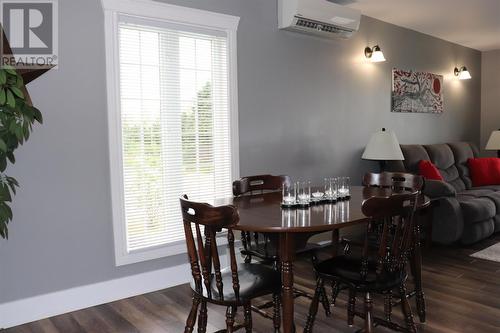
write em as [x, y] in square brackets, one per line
[160, 11]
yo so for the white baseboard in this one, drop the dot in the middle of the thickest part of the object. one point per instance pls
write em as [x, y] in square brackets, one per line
[43, 306]
[30, 309]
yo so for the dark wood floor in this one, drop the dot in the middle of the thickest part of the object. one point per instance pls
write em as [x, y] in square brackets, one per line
[462, 293]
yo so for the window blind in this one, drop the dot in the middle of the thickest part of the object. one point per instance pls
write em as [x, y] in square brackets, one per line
[175, 126]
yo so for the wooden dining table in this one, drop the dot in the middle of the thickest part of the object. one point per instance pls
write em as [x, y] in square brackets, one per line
[293, 227]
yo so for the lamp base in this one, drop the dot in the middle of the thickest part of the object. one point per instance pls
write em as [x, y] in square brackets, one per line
[383, 166]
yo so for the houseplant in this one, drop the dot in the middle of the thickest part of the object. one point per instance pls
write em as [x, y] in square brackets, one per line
[17, 117]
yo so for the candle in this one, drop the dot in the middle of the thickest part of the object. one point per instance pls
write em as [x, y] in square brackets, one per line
[303, 197]
[317, 194]
[289, 199]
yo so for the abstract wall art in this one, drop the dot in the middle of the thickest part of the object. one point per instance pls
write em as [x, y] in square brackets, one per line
[416, 92]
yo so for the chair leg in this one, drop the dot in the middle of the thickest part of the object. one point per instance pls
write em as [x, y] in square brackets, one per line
[230, 312]
[388, 305]
[248, 318]
[405, 305]
[325, 302]
[191, 319]
[313, 309]
[351, 307]
[276, 312]
[335, 292]
[368, 313]
[202, 319]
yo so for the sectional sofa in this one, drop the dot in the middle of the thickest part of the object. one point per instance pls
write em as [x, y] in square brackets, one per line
[462, 212]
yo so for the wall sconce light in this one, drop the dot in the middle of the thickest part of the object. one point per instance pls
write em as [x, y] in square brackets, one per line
[462, 73]
[374, 54]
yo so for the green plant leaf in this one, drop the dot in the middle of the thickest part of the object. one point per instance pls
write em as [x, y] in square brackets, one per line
[3, 77]
[4, 232]
[11, 101]
[3, 96]
[19, 134]
[3, 146]
[9, 69]
[3, 163]
[4, 194]
[37, 114]
[11, 157]
[17, 92]
[19, 81]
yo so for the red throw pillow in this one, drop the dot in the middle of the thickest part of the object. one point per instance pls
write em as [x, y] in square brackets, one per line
[429, 171]
[484, 171]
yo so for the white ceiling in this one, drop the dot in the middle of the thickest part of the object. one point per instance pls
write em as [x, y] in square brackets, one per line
[472, 23]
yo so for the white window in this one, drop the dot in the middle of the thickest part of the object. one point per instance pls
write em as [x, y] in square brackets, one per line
[172, 119]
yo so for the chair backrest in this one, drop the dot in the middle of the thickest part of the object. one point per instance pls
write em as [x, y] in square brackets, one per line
[259, 183]
[202, 251]
[395, 217]
[394, 180]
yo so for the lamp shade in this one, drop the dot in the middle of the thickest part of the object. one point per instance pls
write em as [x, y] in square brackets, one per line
[377, 56]
[383, 146]
[494, 141]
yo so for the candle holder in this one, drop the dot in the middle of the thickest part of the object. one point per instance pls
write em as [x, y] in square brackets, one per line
[318, 196]
[289, 199]
[303, 194]
[331, 190]
[344, 191]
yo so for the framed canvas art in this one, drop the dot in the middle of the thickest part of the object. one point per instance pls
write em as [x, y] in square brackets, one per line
[416, 92]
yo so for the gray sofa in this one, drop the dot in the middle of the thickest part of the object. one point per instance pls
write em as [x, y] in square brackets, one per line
[461, 212]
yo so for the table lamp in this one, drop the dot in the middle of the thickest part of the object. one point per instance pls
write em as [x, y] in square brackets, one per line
[383, 146]
[494, 142]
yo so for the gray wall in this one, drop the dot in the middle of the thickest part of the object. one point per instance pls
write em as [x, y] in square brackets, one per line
[490, 90]
[307, 108]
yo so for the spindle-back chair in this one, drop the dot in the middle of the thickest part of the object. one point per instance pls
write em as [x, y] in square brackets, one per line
[378, 270]
[233, 286]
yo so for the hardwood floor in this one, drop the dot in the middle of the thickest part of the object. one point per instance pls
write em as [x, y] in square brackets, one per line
[462, 294]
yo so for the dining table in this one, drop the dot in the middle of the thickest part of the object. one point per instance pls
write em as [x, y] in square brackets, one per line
[292, 227]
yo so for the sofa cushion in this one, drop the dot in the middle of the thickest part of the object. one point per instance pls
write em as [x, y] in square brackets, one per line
[477, 231]
[462, 152]
[429, 171]
[477, 192]
[496, 223]
[476, 209]
[495, 188]
[484, 171]
[436, 188]
[413, 155]
[442, 156]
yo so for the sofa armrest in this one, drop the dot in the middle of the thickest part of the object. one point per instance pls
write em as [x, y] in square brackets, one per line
[438, 189]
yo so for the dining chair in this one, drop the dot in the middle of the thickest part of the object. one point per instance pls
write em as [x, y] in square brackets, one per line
[394, 180]
[258, 245]
[406, 182]
[376, 271]
[234, 286]
[263, 246]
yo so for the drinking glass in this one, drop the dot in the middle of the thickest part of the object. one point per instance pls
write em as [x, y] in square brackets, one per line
[303, 193]
[344, 188]
[289, 195]
[331, 189]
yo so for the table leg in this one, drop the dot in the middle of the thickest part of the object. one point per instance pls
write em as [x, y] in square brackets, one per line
[287, 254]
[428, 226]
[335, 242]
[416, 265]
